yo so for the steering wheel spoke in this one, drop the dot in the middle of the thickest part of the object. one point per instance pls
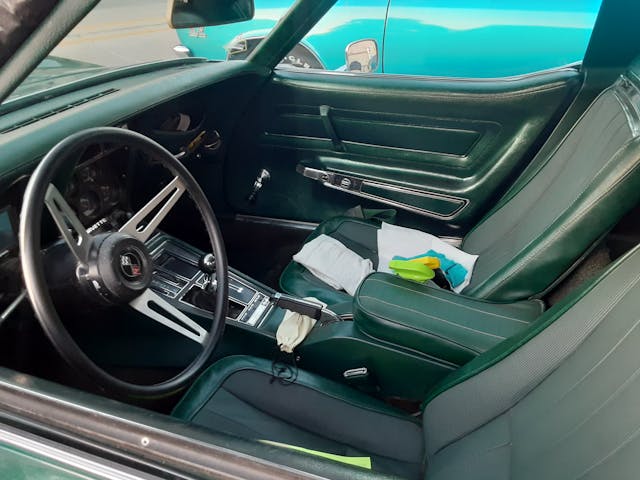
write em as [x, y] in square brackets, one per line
[161, 204]
[155, 307]
[72, 230]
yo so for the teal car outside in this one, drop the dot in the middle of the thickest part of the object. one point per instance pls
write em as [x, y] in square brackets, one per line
[465, 38]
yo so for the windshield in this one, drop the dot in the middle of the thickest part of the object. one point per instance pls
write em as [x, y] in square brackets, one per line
[116, 34]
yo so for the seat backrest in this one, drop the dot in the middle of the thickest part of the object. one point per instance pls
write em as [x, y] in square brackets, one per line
[579, 193]
[560, 400]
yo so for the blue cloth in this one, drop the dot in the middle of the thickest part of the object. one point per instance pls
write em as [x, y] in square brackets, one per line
[454, 272]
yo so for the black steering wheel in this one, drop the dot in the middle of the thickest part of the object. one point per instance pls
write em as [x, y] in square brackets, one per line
[116, 267]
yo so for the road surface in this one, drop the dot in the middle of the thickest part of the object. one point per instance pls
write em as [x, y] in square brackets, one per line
[121, 32]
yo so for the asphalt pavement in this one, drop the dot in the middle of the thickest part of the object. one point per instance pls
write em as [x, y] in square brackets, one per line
[121, 32]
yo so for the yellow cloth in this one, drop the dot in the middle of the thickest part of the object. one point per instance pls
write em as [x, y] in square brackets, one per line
[363, 462]
[431, 262]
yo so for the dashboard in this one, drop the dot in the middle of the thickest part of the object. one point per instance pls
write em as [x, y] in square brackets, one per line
[101, 189]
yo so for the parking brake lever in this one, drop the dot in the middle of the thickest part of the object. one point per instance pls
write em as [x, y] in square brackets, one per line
[298, 305]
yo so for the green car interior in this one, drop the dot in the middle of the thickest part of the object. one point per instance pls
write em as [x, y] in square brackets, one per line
[148, 219]
[537, 232]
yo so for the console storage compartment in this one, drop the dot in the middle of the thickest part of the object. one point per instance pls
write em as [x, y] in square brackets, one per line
[436, 322]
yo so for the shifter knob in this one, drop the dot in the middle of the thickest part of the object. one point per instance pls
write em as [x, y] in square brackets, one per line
[207, 263]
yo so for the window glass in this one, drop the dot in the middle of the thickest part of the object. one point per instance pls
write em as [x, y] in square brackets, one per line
[451, 38]
[120, 33]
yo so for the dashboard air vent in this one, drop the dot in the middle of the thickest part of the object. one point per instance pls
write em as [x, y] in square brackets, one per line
[55, 111]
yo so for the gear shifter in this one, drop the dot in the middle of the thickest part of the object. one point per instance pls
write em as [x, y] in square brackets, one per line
[207, 263]
[203, 298]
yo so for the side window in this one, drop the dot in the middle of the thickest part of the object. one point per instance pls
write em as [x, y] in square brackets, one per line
[445, 38]
[449, 38]
[486, 38]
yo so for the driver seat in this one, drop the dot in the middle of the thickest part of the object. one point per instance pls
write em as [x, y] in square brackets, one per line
[559, 400]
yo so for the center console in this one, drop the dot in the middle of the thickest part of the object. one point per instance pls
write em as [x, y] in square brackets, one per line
[177, 277]
[395, 331]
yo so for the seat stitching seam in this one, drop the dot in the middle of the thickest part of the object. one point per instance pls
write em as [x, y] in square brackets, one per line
[425, 333]
[397, 416]
[520, 264]
[539, 168]
[205, 408]
[575, 200]
[606, 458]
[417, 312]
[576, 384]
[566, 165]
[429, 295]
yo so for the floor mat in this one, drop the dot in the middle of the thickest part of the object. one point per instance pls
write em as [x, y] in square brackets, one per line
[595, 263]
[262, 249]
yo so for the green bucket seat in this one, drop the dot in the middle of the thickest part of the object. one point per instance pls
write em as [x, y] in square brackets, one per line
[557, 401]
[543, 226]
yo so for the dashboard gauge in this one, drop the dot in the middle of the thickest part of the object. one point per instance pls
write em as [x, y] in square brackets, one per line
[88, 174]
[107, 193]
[88, 203]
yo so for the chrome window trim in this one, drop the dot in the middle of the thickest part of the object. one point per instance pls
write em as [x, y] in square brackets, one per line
[68, 456]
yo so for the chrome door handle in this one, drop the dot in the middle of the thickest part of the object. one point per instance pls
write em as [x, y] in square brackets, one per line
[330, 179]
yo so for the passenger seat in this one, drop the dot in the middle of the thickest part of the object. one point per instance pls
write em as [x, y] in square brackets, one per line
[543, 227]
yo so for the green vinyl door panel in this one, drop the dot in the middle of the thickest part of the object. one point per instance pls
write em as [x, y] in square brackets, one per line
[440, 151]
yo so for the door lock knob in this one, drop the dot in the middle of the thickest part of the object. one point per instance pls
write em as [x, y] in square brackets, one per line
[261, 179]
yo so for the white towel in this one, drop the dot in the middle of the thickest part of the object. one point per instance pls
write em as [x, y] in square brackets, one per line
[333, 263]
[407, 242]
[294, 328]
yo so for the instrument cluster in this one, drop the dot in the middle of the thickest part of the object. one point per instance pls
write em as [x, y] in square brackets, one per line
[97, 190]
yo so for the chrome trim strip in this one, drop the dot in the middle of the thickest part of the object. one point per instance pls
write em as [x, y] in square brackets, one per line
[570, 67]
[12, 306]
[165, 447]
[348, 183]
[394, 203]
[627, 94]
[85, 462]
[297, 224]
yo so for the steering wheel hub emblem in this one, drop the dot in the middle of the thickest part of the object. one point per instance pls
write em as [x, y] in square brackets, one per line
[131, 265]
[120, 267]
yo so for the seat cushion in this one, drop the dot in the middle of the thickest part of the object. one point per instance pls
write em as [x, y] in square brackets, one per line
[453, 328]
[239, 396]
[356, 234]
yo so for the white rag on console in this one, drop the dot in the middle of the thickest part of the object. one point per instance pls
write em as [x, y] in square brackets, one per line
[334, 264]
